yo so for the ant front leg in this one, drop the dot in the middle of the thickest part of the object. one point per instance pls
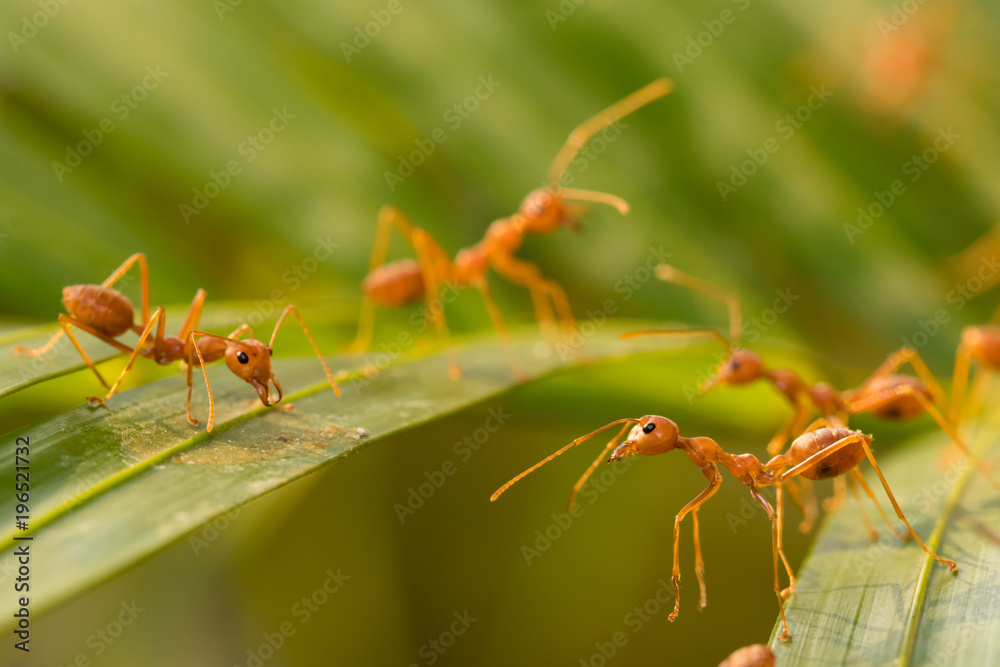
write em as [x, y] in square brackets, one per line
[65, 321]
[778, 555]
[158, 316]
[494, 311]
[433, 262]
[714, 480]
[527, 275]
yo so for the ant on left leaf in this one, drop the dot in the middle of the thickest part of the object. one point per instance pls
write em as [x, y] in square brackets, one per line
[107, 314]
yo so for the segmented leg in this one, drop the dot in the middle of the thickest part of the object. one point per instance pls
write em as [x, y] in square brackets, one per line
[714, 480]
[494, 311]
[158, 317]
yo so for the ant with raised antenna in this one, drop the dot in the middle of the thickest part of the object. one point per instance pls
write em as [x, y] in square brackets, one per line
[107, 314]
[885, 394]
[543, 211]
[827, 449]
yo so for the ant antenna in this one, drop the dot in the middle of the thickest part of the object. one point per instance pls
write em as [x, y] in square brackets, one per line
[548, 458]
[599, 197]
[298, 316]
[582, 134]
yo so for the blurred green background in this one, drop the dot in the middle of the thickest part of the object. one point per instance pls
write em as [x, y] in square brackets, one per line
[899, 76]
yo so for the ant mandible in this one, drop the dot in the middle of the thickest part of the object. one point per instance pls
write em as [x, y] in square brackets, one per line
[826, 449]
[885, 394]
[543, 211]
[107, 314]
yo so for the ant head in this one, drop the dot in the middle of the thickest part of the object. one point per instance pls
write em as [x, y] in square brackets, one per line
[652, 435]
[250, 360]
[742, 367]
[544, 211]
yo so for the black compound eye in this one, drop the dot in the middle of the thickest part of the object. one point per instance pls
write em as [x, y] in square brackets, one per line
[735, 365]
[649, 427]
[242, 357]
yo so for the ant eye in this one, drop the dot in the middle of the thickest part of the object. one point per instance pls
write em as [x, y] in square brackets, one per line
[242, 357]
[735, 365]
[649, 427]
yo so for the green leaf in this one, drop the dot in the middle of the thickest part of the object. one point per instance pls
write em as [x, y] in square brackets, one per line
[113, 484]
[887, 603]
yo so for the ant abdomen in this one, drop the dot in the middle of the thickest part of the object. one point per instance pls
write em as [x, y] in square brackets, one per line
[102, 308]
[838, 463]
[396, 284]
[984, 343]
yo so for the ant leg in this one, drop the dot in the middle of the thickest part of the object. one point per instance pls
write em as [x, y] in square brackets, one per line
[583, 132]
[558, 295]
[426, 248]
[777, 555]
[810, 509]
[194, 314]
[603, 456]
[20, 350]
[896, 360]
[528, 275]
[959, 380]
[899, 512]
[136, 351]
[714, 480]
[856, 475]
[491, 307]
[872, 533]
[117, 274]
[669, 274]
[388, 216]
[836, 501]
[193, 351]
[889, 394]
[780, 502]
[699, 563]
[281, 319]
[65, 321]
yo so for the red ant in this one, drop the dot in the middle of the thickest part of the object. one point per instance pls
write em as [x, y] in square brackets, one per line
[885, 394]
[107, 314]
[543, 211]
[825, 450]
[757, 655]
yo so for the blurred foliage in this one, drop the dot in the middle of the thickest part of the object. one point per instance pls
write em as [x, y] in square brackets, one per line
[322, 179]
